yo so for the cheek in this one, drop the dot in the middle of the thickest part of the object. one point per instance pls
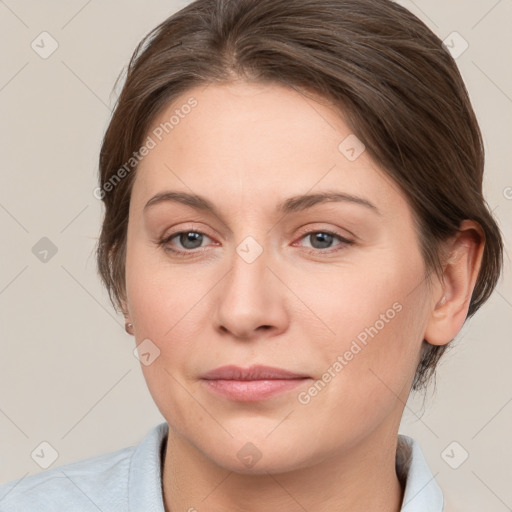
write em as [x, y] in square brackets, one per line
[170, 306]
[368, 366]
[370, 295]
[373, 315]
[164, 299]
[167, 308]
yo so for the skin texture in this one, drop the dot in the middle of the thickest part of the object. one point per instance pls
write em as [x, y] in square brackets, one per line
[246, 147]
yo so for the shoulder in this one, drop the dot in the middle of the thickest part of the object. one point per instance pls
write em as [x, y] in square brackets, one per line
[97, 483]
[78, 486]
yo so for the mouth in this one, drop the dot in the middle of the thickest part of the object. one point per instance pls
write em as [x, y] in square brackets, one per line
[251, 384]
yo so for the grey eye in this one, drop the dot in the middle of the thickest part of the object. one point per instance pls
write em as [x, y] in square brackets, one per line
[320, 240]
[190, 239]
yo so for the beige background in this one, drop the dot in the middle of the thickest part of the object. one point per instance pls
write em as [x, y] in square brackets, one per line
[67, 372]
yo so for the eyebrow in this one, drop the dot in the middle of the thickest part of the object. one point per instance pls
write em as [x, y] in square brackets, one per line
[292, 204]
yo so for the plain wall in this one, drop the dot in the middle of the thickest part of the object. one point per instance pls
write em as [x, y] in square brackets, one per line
[68, 375]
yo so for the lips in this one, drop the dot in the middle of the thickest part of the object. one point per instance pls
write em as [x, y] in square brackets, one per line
[251, 384]
[257, 372]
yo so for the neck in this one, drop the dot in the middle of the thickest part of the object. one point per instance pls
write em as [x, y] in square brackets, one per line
[361, 479]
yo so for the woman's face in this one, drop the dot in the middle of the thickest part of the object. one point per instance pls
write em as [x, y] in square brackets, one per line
[255, 268]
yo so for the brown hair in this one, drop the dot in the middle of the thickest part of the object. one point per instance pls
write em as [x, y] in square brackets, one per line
[395, 84]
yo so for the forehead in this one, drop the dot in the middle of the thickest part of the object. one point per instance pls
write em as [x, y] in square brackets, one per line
[252, 140]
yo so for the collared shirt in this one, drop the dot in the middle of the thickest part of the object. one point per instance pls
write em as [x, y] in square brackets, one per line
[130, 480]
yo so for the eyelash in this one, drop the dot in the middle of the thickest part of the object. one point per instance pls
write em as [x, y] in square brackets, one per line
[344, 242]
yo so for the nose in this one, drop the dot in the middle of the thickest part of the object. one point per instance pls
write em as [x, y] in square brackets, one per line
[251, 301]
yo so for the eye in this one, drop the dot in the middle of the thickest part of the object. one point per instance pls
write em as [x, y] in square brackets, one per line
[324, 241]
[186, 241]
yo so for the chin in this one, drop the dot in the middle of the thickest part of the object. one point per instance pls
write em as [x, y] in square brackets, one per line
[261, 455]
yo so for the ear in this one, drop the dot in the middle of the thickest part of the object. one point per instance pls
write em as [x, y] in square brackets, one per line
[453, 296]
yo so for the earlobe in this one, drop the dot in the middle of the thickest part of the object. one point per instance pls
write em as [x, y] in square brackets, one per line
[458, 281]
[128, 324]
[128, 327]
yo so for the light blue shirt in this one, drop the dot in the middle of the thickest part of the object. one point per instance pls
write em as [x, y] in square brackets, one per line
[130, 480]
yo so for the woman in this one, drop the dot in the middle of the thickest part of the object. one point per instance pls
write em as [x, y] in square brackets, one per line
[294, 231]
